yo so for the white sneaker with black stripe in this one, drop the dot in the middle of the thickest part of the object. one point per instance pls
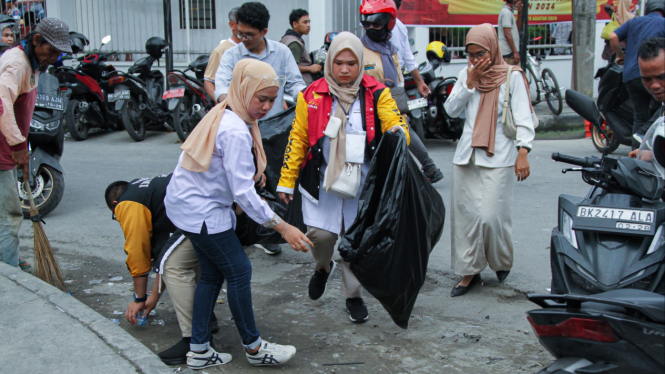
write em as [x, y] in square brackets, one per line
[198, 361]
[271, 354]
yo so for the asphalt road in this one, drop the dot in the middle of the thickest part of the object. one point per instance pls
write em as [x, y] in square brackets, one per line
[82, 222]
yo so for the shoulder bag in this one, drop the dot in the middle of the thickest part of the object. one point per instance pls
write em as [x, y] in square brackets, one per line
[509, 127]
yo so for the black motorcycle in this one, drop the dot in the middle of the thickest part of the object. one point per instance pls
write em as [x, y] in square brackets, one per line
[143, 107]
[614, 237]
[187, 98]
[616, 110]
[619, 331]
[427, 115]
[46, 143]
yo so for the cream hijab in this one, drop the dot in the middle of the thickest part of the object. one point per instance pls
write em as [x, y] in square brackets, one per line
[249, 76]
[346, 95]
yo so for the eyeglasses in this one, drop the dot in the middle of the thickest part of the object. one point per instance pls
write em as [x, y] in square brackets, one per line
[373, 25]
[246, 36]
[271, 81]
[479, 55]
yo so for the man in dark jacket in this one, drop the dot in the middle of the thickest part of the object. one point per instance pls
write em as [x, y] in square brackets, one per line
[299, 20]
[152, 241]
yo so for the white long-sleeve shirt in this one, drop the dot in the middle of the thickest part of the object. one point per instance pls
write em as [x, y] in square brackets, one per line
[400, 39]
[462, 99]
[194, 198]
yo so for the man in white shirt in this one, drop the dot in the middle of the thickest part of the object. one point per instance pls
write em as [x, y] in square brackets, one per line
[400, 39]
[509, 37]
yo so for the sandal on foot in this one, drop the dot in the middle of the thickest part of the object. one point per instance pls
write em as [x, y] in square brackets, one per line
[24, 265]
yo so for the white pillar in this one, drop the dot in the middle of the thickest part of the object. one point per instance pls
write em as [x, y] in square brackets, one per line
[320, 13]
[420, 35]
[187, 26]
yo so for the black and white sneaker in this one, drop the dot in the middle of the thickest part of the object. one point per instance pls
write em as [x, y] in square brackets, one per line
[357, 310]
[319, 282]
[272, 249]
[198, 361]
[271, 354]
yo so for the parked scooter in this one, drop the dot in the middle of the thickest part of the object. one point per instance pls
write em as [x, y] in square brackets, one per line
[46, 143]
[319, 55]
[89, 89]
[187, 98]
[144, 108]
[614, 237]
[616, 109]
[428, 116]
[619, 331]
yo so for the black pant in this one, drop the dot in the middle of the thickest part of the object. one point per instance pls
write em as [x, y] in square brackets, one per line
[644, 105]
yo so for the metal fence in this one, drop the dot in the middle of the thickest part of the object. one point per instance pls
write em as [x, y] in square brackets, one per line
[346, 17]
[543, 39]
[131, 22]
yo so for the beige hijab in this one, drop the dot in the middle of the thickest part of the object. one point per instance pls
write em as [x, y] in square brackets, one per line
[249, 76]
[346, 95]
[484, 130]
[623, 13]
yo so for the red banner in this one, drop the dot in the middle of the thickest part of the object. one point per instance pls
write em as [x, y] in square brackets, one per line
[474, 12]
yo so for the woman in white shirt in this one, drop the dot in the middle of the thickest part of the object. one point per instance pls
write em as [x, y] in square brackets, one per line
[216, 169]
[486, 160]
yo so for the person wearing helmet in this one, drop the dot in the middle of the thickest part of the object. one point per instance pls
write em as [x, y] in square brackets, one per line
[651, 60]
[633, 33]
[400, 39]
[19, 72]
[378, 18]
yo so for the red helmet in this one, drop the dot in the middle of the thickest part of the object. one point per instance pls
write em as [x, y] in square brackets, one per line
[370, 11]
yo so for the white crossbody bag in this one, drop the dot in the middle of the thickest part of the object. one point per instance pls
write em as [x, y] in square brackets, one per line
[507, 120]
[347, 184]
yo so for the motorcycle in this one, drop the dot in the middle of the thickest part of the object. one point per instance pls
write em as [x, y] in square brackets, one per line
[187, 98]
[319, 56]
[619, 331]
[46, 144]
[616, 110]
[141, 93]
[427, 115]
[614, 237]
[89, 87]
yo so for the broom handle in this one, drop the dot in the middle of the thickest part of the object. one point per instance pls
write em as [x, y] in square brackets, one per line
[27, 186]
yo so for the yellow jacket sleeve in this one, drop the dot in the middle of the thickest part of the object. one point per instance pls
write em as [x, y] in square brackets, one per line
[390, 116]
[296, 149]
[136, 222]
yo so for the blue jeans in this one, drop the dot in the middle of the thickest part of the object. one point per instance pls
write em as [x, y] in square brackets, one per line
[11, 217]
[222, 257]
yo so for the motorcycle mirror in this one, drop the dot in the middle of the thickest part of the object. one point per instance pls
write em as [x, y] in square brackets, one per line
[106, 39]
[585, 107]
[411, 42]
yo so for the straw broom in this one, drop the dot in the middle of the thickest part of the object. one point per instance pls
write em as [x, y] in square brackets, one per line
[47, 266]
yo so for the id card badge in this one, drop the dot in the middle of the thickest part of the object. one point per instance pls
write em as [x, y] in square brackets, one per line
[332, 129]
[355, 147]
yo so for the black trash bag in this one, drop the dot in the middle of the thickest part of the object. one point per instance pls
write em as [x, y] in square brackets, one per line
[275, 134]
[400, 219]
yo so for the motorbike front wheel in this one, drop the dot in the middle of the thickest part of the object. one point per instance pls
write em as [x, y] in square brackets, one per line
[47, 192]
[182, 118]
[130, 115]
[77, 129]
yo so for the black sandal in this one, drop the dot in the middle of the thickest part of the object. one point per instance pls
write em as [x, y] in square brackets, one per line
[461, 290]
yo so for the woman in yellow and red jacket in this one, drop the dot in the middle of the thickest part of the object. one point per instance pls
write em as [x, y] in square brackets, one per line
[354, 110]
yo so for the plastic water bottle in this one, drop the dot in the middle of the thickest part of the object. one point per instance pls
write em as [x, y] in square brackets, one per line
[141, 319]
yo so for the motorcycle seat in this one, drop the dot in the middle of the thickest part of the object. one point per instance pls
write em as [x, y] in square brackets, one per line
[649, 303]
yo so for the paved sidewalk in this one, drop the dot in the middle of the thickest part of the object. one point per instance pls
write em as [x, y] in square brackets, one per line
[567, 120]
[45, 330]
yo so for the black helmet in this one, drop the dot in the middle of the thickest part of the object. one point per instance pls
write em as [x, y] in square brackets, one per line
[78, 41]
[155, 47]
[655, 5]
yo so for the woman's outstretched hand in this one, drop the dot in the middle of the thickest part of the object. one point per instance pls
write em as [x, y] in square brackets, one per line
[476, 72]
[296, 239]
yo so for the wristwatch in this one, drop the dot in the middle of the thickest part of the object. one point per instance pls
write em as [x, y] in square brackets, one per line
[528, 150]
[140, 299]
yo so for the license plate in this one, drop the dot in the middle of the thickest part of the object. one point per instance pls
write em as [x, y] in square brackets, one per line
[633, 226]
[120, 95]
[49, 102]
[647, 216]
[417, 103]
[170, 94]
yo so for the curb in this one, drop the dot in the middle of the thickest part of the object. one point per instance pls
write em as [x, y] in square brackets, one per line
[565, 121]
[120, 341]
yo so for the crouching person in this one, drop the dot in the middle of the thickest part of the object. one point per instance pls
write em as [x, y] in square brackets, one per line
[217, 168]
[339, 121]
[151, 237]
